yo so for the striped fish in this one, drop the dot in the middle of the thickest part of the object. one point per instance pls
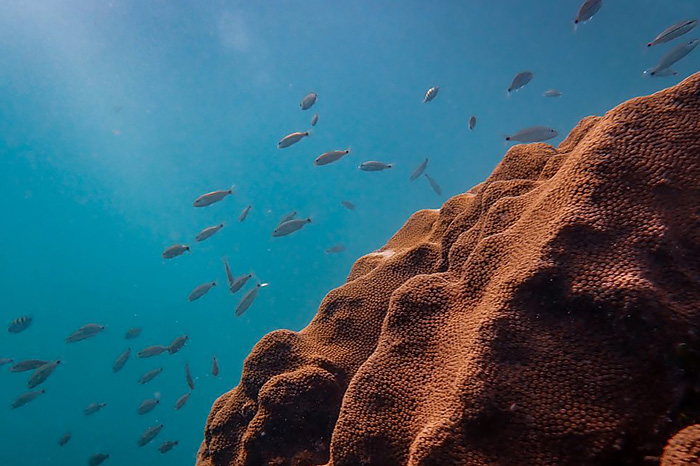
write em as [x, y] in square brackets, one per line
[431, 94]
[20, 324]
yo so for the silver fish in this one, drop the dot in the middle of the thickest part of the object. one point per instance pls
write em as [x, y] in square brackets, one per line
[373, 166]
[314, 119]
[64, 439]
[182, 400]
[132, 333]
[212, 197]
[149, 434]
[330, 157]
[214, 366]
[587, 10]
[97, 459]
[229, 274]
[174, 251]
[472, 123]
[167, 446]
[153, 350]
[552, 93]
[308, 101]
[208, 232]
[244, 213]
[25, 398]
[239, 282]
[28, 365]
[177, 344]
[188, 376]
[434, 185]
[42, 373]
[121, 360]
[85, 332]
[418, 171]
[292, 138]
[92, 408]
[674, 31]
[200, 291]
[533, 134]
[665, 72]
[348, 205]
[335, 249]
[150, 375]
[520, 80]
[4, 361]
[147, 406]
[248, 299]
[287, 217]
[20, 324]
[674, 55]
[290, 226]
[430, 94]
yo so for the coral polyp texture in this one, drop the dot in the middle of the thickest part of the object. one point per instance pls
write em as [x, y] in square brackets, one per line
[548, 316]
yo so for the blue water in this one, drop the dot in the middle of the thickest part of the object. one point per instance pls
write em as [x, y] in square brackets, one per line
[116, 115]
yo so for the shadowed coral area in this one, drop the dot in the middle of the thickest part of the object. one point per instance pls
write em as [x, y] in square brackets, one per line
[548, 316]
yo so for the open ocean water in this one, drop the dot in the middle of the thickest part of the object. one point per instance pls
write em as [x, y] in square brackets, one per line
[115, 115]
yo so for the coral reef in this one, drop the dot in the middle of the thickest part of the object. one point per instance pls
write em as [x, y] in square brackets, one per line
[548, 316]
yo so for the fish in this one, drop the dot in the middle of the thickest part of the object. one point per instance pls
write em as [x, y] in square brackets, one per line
[182, 400]
[121, 360]
[674, 31]
[64, 439]
[212, 197]
[348, 205]
[153, 350]
[208, 232]
[177, 344]
[97, 459]
[290, 226]
[520, 80]
[85, 332]
[244, 213]
[335, 249]
[25, 398]
[150, 375]
[665, 72]
[430, 94]
[239, 282]
[149, 434]
[314, 119]
[214, 366]
[418, 171]
[552, 93]
[587, 10]
[147, 405]
[434, 185]
[248, 299]
[20, 324]
[174, 251]
[292, 138]
[373, 166]
[167, 446]
[308, 101]
[92, 408]
[533, 134]
[287, 217]
[200, 291]
[674, 55]
[132, 333]
[4, 361]
[330, 157]
[42, 373]
[28, 365]
[472, 123]
[188, 376]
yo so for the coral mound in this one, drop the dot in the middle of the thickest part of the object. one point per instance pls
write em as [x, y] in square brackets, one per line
[548, 316]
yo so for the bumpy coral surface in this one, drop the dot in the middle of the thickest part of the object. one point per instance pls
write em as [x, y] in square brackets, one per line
[549, 316]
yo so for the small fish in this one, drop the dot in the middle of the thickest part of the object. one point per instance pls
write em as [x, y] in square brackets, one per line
[151, 351]
[418, 171]
[373, 166]
[314, 119]
[292, 138]
[132, 333]
[290, 226]
[472, 123]
[533, 134]
[587, 10]
[330, 157]
[200, 291]
[214, 366]
[42, 373]
[308, 101]
[248, 299]
[28, 365]
[20, 324]
[520, 80]
[121, 360]
[182, 400]
[85, 332]
[229, 274]
[64, 439]
[167, 446]
[25, 398]
[174, 251]
[552, 93]
[244, 214]
[674, 31]
[434, 185]
[177, 344]
[348, 205]
[97, 459]
[4, 361]
[287, 217]
[149, 434]
[188, 376]
[150, 375]
[674, 55]
[147, 406]
[335, 249]
[92, 408]
[430, 94]
[208, 232]
[239, 282]
[664, 73]
[212, 197]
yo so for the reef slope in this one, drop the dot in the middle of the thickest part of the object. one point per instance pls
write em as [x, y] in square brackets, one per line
[548, 316]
